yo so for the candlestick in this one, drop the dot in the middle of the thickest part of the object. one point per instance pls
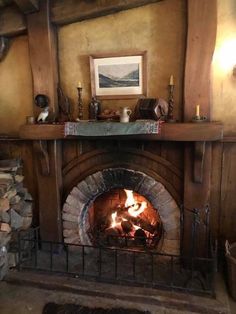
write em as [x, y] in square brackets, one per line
[80, 103]
[170, 116]
[197, 111]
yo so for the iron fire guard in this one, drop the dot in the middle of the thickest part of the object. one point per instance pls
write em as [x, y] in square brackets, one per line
[143, 267]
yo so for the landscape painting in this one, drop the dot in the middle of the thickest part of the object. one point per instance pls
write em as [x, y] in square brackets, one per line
[118, 76]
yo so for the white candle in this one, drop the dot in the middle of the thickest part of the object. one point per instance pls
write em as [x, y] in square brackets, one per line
[197, 111]
[171, 80]
[79, 84]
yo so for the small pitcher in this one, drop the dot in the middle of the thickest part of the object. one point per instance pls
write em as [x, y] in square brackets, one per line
[125, 114]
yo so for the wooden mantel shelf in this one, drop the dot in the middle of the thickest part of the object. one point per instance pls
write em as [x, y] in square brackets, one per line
[185, 132]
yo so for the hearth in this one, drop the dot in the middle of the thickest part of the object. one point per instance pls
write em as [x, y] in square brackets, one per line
[123, 218]
[121, 207]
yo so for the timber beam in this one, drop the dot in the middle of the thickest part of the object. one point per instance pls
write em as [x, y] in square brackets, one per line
[12, 22]
[27, 6]
[70, 11]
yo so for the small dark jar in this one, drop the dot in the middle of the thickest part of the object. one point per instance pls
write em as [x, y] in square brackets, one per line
[94, 109]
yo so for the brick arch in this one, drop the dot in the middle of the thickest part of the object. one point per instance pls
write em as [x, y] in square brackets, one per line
[79, 200]
[97, 160]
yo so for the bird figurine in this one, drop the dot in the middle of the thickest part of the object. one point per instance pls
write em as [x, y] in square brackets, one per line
[43, 115]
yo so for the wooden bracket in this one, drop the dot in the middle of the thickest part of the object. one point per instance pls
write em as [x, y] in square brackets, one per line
[199, 152]
[43, 157]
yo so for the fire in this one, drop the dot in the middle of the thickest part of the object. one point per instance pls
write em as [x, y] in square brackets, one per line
[133, 209]
[113, 219]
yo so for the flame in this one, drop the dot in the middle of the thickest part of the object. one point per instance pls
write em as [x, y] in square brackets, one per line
[134, 208]
[113, 219]
[130, 198]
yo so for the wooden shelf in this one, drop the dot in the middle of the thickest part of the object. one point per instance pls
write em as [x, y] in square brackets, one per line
[184, 132]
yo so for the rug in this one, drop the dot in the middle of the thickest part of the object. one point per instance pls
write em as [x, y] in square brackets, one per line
[53, 308]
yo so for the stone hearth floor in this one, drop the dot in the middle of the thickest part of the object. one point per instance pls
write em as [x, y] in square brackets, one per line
[27, 292]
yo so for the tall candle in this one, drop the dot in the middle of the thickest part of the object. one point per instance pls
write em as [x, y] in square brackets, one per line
[79, 84]
[171, 80]
[197, 111]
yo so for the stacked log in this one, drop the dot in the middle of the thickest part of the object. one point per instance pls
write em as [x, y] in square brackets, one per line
[15, 207]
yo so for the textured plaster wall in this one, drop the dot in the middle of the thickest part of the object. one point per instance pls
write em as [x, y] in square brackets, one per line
[15, 87]
[158, 28]
[224, 83]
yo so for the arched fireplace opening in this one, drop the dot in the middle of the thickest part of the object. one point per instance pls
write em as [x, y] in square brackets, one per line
[81, 211]
[123, 218]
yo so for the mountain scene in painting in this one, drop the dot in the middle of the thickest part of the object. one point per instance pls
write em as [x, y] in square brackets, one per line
[118, 75]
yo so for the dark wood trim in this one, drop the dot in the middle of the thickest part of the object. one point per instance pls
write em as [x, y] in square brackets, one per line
[42, 155]
[49, 192]
[12, 22]
[27, 6]
[229, 139]
[189, 132]
[43, 54]
[70, 11]
[43, 59]
[199, 152]
[199, 53]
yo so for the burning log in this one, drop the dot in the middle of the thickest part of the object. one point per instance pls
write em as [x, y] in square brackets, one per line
[139, 222]
[127, 226]
[112, 235]
[140, 237]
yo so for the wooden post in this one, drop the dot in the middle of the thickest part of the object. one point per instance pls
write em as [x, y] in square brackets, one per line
[43, 59]
[199, 54]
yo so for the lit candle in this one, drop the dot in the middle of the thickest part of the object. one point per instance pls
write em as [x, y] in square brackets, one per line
[197, 111]
[171, 80]
[79, 84]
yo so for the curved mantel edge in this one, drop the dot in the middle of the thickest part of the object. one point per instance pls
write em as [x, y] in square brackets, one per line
[184, 132]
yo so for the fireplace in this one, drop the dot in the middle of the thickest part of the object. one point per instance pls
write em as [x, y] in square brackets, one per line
[120, 206]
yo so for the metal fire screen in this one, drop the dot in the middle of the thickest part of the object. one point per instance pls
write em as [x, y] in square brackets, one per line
[123, 265]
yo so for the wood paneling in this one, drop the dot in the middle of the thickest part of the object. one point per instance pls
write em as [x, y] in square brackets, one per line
[228, 193]
[69, 11]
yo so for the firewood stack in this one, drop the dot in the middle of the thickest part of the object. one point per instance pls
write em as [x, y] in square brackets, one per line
[15, 207]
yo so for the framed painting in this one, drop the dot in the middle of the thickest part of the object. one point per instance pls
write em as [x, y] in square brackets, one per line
[120, 76]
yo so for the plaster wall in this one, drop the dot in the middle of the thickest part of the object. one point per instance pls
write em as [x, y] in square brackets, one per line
[223, 81]
[157, 28]
[15, 87]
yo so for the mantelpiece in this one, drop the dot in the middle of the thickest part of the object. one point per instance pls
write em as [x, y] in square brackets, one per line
[184, 132]
[199, 133]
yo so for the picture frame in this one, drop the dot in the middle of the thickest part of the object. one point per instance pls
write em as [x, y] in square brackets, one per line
[117, 76]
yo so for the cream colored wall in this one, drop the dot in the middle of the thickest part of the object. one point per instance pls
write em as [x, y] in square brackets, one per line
[15, 87]
[158, 28]
[224, 83]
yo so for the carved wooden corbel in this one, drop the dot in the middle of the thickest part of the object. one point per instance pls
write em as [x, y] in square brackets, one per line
[43, 157]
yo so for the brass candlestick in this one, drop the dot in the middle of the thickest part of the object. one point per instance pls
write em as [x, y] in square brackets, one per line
[80, 104]
[170, 116]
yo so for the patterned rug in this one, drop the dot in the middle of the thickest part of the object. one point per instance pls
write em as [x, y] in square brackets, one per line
[53, 308]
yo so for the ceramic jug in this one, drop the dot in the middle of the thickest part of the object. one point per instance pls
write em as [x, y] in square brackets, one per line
[125, 114]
